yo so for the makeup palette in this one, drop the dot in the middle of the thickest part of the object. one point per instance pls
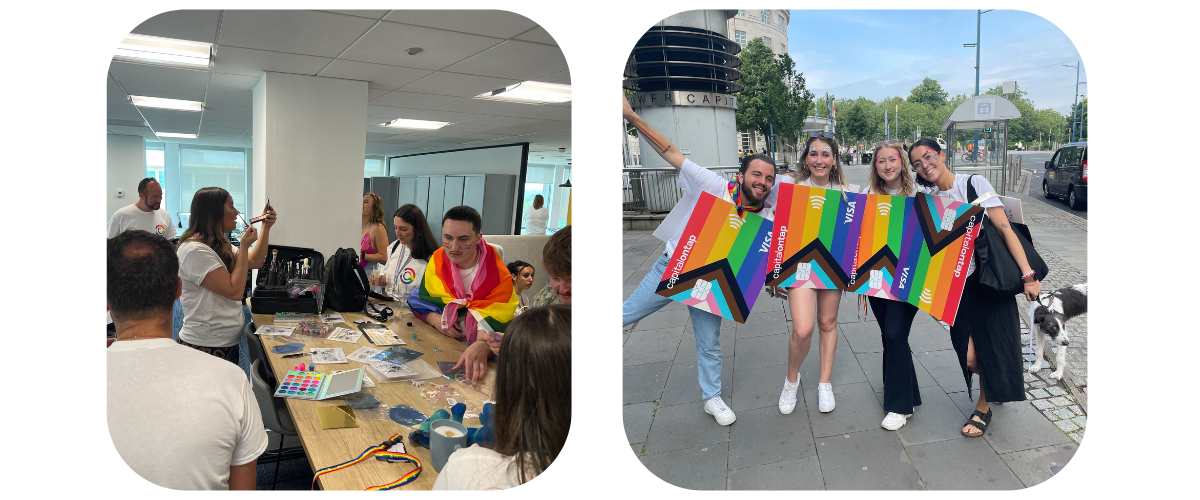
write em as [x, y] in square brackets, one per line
[314, 385]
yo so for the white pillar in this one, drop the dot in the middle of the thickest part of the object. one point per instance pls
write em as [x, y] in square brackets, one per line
[126, 168]
[309, 137]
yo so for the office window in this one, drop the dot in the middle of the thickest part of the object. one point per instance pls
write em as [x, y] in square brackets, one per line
[767, 42]
[782, 25]
[782, 48]
[742, 12]
[545, 180]
[740, 38]
[208, 166]
[745, 141]
[374, 167]
[765, 15]
[156, 166]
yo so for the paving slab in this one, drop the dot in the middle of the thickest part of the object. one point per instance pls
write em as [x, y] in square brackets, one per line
[863, 337]
[699, 468]
[937, 419]
[687, 346]
[962, 464]
[1018, 426]
[846, 369]
[762, 323]
[684, 426]
[857, 410]
[727, 327]
[644, 383]
[637, 418]
[636, 448]
[758, 352]
[943, 367]
[663, 319]
[1032, 467]
[799, 474]
[759, 388]
[763, 436]
[683, 386]
[931, 336]
[868, 460]
[652, 346]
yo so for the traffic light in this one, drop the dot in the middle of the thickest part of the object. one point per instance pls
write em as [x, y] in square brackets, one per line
[988, 129]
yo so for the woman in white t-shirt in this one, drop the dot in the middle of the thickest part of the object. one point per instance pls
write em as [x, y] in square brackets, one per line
[889, 175]
[214, 273]
[408, 256]
[987, 331]
[820, 166]
[535, 219]
[533, 406]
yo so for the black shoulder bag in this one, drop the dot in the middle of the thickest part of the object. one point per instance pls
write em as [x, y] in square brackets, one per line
[999, 274]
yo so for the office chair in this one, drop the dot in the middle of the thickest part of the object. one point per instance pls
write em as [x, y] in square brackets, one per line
[275, 415]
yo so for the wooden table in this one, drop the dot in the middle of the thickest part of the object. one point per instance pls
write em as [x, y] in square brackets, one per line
[333, 446]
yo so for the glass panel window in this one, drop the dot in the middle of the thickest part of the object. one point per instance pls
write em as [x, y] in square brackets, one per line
[782, 49]
[740, 38]
[374, 167]
[765, 15]
[782, 25]
[208, 166]
[767, 42]
[742, 12]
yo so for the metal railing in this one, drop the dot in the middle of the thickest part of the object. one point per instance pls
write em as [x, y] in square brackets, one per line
[1008, 179]
[656, 190]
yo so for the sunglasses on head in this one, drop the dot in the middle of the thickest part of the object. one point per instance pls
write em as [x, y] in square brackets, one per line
[823, 135]
[887, 143]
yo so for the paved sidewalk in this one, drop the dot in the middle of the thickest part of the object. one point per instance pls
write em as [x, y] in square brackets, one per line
[846, 449]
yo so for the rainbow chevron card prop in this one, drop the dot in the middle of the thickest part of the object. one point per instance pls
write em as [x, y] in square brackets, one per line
[936, 248]
[879, 242]
[720, 261]
[815, 238]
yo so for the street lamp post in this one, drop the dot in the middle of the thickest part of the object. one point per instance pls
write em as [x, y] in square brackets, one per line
[1075, 107]
[978, 22]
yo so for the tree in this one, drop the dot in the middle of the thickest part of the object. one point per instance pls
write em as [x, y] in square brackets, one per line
[775, 96]
[928, 92]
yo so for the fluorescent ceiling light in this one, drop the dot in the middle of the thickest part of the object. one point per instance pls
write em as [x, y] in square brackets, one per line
[162, 103]
[164, 51]
[530, 93]
[415, 124]
[176, 136]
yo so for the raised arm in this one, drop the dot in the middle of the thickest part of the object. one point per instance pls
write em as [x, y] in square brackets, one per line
[661, 145]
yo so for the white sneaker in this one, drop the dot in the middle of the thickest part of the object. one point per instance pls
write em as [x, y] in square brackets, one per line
[716, 407]
[825, 400]
[787, 398]
[894, 421]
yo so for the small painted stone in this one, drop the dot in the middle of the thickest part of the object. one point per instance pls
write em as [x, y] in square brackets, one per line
[414, 336]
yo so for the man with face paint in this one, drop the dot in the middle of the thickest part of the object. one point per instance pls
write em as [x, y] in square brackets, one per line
[747, 191]
[466, 274]
[145, 214]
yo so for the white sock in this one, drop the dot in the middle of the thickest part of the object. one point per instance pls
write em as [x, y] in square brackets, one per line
[790, 385]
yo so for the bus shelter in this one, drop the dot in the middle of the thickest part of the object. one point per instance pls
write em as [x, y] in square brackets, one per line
[976, 135]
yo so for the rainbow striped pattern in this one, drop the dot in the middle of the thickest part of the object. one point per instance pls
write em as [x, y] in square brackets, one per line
[380, 451]
[936, 248]
[719, 263]
[879, 242]
[815, 238]
[493, 299]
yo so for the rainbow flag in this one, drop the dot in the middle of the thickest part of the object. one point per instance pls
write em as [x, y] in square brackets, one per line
[719, 263]
[490, 302]
[815, 238]
[936, 248]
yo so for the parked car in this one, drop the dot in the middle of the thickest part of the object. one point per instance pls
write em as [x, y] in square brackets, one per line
[1067, 174]
[866, 156]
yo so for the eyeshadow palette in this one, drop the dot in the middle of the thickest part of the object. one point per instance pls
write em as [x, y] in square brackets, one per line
[315, 385]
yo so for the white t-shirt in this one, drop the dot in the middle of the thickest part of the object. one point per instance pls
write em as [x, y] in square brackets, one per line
[131, 217]
[403, 272]
[958, 192]
[535, 220]
[478, 468]
[209, 320]
[179, 417]
[693, 179]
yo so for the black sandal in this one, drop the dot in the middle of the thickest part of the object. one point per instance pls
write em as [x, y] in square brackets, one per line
[987, 419]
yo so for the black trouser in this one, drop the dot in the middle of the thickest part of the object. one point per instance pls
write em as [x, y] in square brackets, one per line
[900, 393]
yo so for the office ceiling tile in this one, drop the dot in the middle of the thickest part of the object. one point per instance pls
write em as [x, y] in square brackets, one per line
[493, 23]
[514, 59]
[454, 84]
[194, 25]
[401, 99]
[386, 44]
[537, 34]
[294, 31]
[250, 62]
[381, 76]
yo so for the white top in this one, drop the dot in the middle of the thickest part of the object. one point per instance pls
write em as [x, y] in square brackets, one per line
[209, 320]
[179, 417]
[535, 220]
[131, 217]
[958, 192]
[477, 468]
[693, 179]
[402, 271]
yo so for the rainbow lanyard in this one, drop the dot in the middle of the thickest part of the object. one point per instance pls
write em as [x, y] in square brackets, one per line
[735, 192]
[380, 451]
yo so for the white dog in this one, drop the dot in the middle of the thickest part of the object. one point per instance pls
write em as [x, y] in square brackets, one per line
[1049, 315]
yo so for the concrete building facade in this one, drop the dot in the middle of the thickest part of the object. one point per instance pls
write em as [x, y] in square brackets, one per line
[770, 25]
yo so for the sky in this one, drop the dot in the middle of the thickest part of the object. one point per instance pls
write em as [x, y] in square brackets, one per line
[880, 53]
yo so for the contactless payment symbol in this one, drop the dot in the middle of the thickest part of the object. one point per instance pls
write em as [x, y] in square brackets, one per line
[408, 276]
[160, 229]
[701, 289]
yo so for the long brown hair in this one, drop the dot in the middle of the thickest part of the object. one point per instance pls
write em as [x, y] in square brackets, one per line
[207, 223]
[376, 209]
[878, 186]
[533, 389]
[835, 174]
[538, 201]
[424, 243]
